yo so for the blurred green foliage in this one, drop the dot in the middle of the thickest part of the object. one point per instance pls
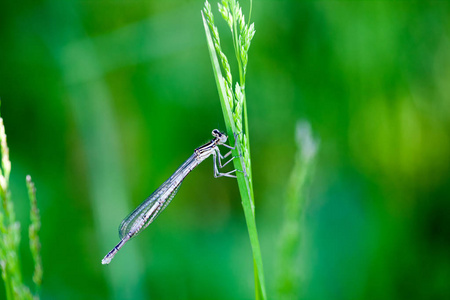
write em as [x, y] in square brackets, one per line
[103, 100]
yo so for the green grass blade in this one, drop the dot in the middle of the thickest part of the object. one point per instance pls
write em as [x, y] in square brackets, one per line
[9, 231]
[288, 279]
[33, 233]
[245, 187]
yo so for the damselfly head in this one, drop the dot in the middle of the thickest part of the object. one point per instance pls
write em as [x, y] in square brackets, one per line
[221, 136]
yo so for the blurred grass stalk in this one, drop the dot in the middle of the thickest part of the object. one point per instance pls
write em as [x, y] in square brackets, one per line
[10, 233]
[234, 108]
[288, 276]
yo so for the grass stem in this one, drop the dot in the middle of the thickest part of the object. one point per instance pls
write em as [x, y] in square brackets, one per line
[234, 108]
[15, 289]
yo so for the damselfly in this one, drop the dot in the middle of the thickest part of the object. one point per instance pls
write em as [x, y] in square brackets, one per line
[145, 213]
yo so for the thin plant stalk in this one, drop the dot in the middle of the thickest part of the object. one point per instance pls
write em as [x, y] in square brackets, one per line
[15, 289]
[234, 108]
[288, 275]
[33, 233]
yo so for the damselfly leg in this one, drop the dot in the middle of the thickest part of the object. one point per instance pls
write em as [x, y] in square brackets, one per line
[217, 160]
[218, 164]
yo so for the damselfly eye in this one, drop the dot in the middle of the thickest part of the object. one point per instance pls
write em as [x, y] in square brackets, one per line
[216, 133]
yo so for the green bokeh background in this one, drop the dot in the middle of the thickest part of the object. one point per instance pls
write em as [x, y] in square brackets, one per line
[103, 100]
